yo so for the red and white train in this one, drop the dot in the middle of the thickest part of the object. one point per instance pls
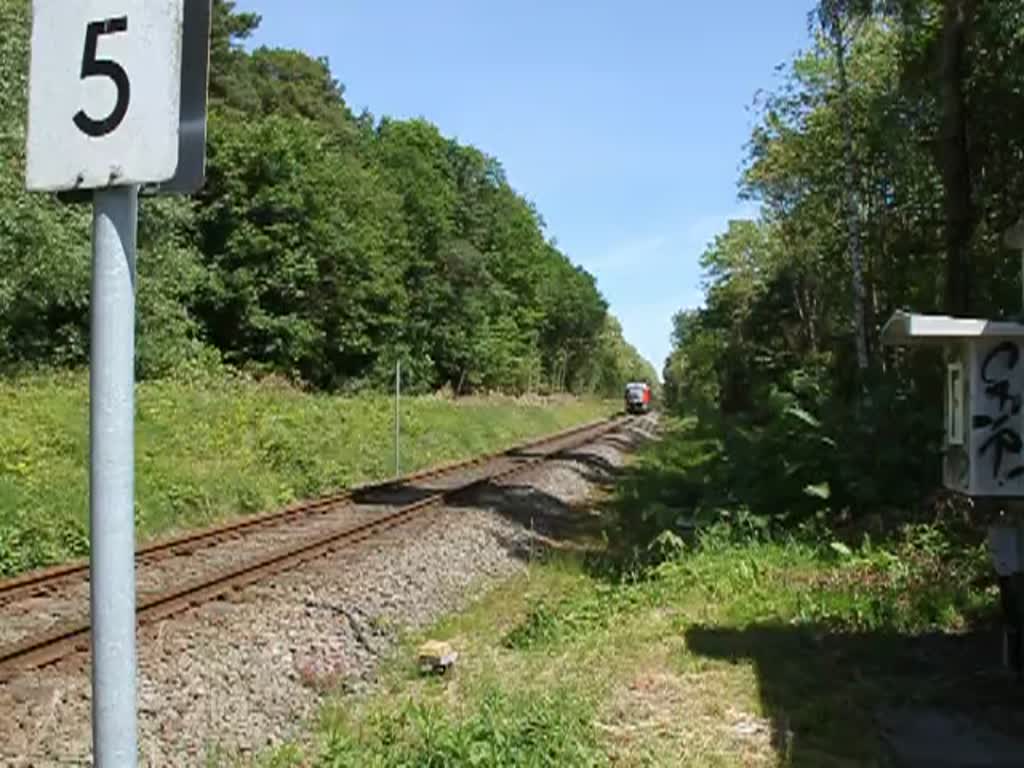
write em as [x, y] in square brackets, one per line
[638, 397]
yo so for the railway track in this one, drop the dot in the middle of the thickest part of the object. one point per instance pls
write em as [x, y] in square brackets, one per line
[270, 544]
[46, 580]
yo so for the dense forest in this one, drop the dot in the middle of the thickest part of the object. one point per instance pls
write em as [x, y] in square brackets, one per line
[888, 164]
[324, 246]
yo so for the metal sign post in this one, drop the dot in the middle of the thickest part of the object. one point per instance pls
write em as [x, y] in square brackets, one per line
[398, 417]
[1011, 534]
[112, 476]
[113, 106]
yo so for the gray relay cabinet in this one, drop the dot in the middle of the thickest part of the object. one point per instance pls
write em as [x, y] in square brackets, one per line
[983, 438]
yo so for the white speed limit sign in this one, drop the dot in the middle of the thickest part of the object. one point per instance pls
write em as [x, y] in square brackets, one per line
[104, 93]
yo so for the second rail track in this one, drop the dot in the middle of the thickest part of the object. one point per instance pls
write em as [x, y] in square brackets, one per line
[47, 647]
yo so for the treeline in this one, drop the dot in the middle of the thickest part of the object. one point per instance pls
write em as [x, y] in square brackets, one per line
[325, 246]
[888, 165]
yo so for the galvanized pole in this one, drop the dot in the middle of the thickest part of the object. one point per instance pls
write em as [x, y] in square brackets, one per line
[398, 417]
[112, 477]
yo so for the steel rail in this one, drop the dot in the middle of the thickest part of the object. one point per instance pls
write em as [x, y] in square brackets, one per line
[47, 648]
[44, 580]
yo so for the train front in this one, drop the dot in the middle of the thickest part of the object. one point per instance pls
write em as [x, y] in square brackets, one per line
[637, 398]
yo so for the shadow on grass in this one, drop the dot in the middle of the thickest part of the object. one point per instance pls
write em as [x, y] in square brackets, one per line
[846, 698]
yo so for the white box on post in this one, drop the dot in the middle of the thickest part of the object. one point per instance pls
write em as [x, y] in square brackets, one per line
[983, 447]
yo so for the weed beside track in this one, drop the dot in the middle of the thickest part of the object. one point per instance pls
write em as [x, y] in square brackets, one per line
[208, 452]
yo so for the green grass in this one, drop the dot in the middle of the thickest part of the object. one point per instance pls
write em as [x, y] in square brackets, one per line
[207, 452]
[728, 653]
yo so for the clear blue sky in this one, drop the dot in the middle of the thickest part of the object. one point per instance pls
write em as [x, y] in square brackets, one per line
[623, 122]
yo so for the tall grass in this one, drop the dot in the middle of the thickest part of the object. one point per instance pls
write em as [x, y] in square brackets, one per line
[208, 451]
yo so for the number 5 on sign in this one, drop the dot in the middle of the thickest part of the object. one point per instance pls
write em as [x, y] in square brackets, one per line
[104, 93]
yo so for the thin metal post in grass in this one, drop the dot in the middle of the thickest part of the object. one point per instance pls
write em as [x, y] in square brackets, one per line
[398, 418]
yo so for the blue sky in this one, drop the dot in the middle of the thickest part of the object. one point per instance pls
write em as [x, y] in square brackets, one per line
[623, 122]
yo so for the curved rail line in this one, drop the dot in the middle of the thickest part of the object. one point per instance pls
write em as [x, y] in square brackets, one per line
[52, 646]
[45, 580]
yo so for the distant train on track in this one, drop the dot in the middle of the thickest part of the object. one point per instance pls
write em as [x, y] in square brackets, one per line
[638, 397]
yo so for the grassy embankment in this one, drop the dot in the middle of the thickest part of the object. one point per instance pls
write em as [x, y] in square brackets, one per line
[207, 452]
[729, 653]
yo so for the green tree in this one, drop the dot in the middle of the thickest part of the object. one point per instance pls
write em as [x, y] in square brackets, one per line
[304, 248]
[45, 252]
[325, 246]
[834, 18]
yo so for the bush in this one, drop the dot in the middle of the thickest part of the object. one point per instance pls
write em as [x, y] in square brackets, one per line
[500, 728]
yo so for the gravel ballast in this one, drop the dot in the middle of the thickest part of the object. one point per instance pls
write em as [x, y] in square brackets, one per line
[242, 675]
